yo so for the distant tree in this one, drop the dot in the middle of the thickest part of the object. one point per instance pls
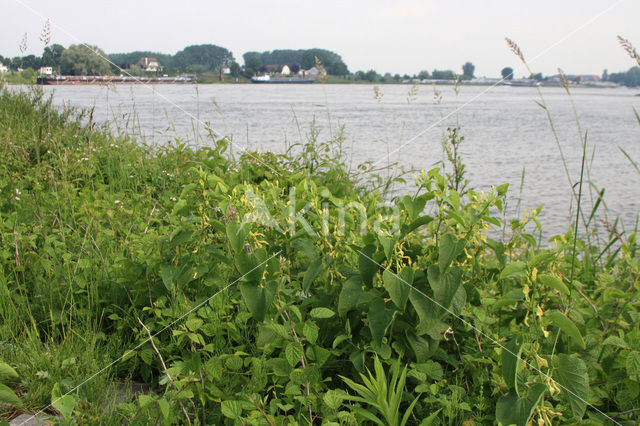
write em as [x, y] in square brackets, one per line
[507, 73]
[252, 65]
[538, 77]
[371, 75]
[467, 70]
[84, 60]
[631, 78]
[295, 68]
[202, 57]
[396, 77]
[442, 75]
[304, 58]
[423, 75]
[605, 75]
[30, 61]
[337, 68]
[52, 55]
[248, 55]
[235, 69]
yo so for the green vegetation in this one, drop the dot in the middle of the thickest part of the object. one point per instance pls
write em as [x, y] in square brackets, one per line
[261, 288]
[305, 58]
[82, 59]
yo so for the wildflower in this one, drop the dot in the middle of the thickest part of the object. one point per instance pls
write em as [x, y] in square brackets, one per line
[118, 202]
[173, 199]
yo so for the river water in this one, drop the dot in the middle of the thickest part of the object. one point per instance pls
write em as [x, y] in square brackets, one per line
[506, 133]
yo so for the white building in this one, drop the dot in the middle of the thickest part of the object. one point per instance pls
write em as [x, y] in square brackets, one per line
[45, 71]
[285, 70]
[314, 72]
[225, 70]
[3, 68]
[149, 64]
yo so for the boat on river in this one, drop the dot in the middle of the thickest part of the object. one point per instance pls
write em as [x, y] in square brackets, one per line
[281, 80]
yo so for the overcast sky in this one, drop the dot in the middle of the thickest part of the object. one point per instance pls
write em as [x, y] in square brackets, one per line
[403, 36]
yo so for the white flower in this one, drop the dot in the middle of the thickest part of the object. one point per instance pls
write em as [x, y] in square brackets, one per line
[18, 192]
[117, 201]
[173, 199]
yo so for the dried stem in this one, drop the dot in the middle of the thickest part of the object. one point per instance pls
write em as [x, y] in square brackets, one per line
[164, 368]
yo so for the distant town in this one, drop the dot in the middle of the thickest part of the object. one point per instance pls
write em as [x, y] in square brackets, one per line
[207, 63]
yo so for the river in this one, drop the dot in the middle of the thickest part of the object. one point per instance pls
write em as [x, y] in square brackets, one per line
[505, 131]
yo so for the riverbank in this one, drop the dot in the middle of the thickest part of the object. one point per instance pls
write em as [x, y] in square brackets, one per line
[270, 282]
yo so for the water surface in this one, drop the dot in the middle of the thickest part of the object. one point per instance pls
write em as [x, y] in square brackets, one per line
[506, 132]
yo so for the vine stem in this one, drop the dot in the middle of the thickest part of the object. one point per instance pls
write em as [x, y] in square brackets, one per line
[304, 365]
[164, 367]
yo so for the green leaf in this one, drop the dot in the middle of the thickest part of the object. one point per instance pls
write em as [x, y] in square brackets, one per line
[165, 408]
[321, 313]
[350, 295]
[633, 364]
[387, 243]
[7, 396]
[615, 341]
[311, 274]
[144, 400]
[366, 265]
[510, 363]
[398, 286]
[428, 313]
[513, 270]
[310, 331]
[413, 206]
[251, 265]
[231, 409]
[63, 403]
[444, 286]
[257, 298]
[554, 282]
[512, 409]
[572, 375]
[449, 247]
[565, 324]
[294, 353]
[422, 220]
[333, 399]
[428, 421]
[168, 274]
[179, 237]
[237, 233]
[379, 319]
[7, 374]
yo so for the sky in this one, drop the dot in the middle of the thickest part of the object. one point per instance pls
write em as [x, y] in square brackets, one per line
[402, 36]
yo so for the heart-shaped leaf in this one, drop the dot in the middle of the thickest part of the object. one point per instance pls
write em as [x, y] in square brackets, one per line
[398, 286]
[514, 410]
[573, 376]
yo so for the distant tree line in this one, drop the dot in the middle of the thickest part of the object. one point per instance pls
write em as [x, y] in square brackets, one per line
[301, 58]
[630, 78]
[81, 59]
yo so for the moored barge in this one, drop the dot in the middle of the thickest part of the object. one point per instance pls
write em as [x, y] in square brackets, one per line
[100, 79]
